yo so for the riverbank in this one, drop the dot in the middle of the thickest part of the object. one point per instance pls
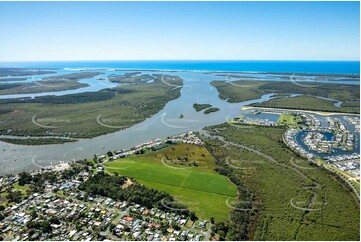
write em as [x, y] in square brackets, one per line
[300, 110]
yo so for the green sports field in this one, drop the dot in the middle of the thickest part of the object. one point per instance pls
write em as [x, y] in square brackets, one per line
[199, 187]
[289, 119]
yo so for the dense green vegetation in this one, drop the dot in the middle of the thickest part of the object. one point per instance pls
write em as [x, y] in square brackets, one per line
[300, 77]
[12, 79]
[74, 76]
[41, 86]
[285, 202]
[305, 103]
[211, 110]
[351, 104]
[186, 172]
[199, 107]
[239, 91]
[131, 78]
[36, 141]
[85, 115]
[206, 107]
[84, 97]
[139, 78]
[50, 84]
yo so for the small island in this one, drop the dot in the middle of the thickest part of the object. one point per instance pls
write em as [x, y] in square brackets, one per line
[206, 107]
[199, 107]
[211, 110]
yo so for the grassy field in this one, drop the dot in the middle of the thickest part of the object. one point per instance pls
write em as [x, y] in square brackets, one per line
[289, 119]
[23, 189]
[239, 91]
[15, 187]
[198, 187]
[85, 115]
[300, 202]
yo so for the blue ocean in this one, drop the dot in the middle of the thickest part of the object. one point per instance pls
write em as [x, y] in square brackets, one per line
[320, 67]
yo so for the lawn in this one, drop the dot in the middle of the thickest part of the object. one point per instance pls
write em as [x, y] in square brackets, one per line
[289, 119]
[198, 187]
[16, 187]
[204, 204]
[3, 199]
[23, 189]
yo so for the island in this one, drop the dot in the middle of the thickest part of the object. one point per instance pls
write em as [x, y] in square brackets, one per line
[86, 114]
[12, 79]
[310, 96]
[206, 107]
[199, 107]
[49, 84]
[211, 110]
[18, 72]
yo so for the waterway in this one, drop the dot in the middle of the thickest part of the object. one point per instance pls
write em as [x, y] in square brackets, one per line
[196, 89]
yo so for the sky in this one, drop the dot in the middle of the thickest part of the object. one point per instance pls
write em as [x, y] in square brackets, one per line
[40, 31]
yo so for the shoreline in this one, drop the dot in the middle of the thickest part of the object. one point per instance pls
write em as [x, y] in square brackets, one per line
[322, 113]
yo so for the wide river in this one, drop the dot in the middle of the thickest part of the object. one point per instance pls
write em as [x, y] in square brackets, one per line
[196, 89]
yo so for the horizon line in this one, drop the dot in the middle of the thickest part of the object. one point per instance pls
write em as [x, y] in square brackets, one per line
[317, 60]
